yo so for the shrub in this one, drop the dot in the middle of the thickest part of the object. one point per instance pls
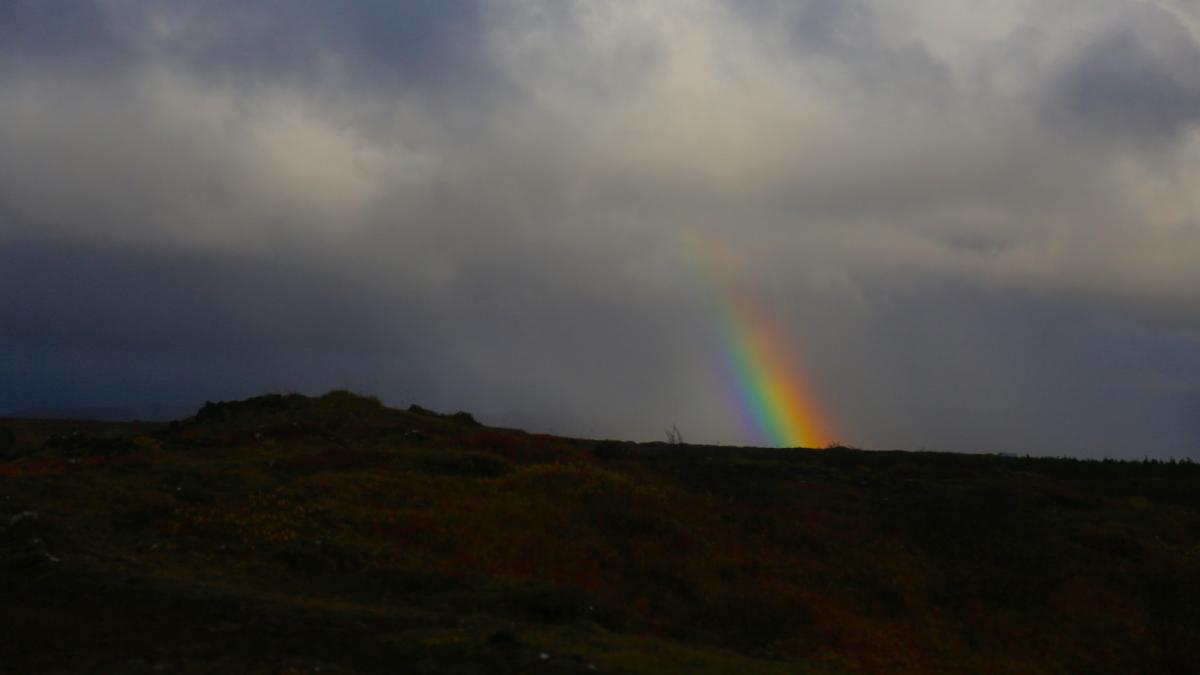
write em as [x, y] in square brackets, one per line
[465, 418]
[610, 449]
[8, 440]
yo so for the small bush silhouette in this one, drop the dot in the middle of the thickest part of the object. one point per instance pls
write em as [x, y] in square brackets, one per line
[610, 449]
[674, 435]
[8, 440]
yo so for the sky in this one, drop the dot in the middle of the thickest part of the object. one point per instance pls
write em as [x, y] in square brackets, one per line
[971, 225]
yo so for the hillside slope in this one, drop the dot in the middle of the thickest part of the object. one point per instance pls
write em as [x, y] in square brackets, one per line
[287, 534]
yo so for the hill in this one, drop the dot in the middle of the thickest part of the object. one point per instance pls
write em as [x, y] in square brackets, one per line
[288, 534]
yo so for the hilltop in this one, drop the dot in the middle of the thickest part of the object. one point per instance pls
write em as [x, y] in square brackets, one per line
[294, 534]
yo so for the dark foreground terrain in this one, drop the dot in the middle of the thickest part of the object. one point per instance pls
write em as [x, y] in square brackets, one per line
[287, 534]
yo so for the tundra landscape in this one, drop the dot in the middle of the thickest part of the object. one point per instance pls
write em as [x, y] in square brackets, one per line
[289, 534]
[797, 336]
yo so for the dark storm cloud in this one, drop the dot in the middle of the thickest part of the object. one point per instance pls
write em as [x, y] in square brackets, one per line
[145, 326]
[330, 48]
[374, 43]
[383, 44]
[77, 296]
[1138, 79]
[995, 364]
[75, 32]
[978, 220]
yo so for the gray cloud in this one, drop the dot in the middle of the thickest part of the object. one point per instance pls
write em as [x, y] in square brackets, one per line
[74, 32]
[1139, 78]
[977, 223]
[370, 43]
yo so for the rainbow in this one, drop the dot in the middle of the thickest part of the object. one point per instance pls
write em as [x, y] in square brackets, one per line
[760, 365]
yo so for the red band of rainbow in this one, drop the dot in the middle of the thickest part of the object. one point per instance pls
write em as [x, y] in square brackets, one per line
[760, 360]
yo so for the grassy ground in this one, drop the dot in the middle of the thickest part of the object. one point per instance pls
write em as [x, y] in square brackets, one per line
[287, 534]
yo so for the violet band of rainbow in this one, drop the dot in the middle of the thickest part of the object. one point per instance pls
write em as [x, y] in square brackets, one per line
[762, 363]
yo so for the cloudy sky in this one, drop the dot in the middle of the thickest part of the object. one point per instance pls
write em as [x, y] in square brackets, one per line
[977, 221]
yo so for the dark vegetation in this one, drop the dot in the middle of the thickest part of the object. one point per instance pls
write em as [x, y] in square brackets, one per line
[286, 534]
